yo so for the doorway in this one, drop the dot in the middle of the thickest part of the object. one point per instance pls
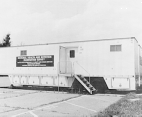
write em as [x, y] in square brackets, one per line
[67, 59]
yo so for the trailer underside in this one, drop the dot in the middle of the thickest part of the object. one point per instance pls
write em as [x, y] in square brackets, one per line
[77, 83]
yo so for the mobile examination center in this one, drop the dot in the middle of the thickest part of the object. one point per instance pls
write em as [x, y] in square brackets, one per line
[91, 65]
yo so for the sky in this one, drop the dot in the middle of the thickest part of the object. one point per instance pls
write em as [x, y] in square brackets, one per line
[48, 21]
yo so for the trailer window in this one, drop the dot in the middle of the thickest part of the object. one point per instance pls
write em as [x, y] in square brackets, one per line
[23, 52]
[72, 53]
[115, 48]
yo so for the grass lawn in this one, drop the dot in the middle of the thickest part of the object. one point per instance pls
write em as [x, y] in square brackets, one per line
[129, 106]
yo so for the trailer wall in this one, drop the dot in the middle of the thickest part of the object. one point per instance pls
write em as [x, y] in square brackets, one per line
[8, 60]
[114, 60]
[96, 59]
[140, 64]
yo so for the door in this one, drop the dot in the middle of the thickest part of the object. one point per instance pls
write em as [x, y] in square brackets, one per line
[71, 54]
[62, 63]
[67, 59]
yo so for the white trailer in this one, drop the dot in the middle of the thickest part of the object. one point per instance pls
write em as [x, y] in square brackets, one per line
[93, 64]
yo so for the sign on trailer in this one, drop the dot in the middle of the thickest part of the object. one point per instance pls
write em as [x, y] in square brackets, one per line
[35, 61]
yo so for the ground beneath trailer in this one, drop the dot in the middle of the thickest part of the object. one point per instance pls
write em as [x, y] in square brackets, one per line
[35, 103]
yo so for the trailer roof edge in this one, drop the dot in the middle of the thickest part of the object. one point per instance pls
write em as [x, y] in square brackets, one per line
[94, 40]
[75, 42]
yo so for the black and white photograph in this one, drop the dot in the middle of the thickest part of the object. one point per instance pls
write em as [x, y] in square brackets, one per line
[70, 58]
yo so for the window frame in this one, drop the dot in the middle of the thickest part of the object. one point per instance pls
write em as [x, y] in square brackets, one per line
[116, 48]
[72, 53]
[23, 52]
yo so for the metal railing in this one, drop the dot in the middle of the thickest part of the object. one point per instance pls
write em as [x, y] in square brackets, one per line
[82, 69]
[68, 67]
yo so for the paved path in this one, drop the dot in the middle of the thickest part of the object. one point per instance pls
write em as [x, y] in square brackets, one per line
[31, 103]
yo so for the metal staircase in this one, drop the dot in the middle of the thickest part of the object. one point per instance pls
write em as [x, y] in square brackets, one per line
[85, 83]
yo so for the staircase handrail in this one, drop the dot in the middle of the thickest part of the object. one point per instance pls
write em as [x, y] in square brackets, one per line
[83, 69]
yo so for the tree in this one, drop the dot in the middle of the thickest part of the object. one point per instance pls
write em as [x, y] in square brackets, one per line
[6, 41]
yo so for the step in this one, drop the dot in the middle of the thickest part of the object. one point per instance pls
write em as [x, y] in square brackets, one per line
[87, 88]
[81, 77]
[85, 83]
[84, 80]
[91, 88]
